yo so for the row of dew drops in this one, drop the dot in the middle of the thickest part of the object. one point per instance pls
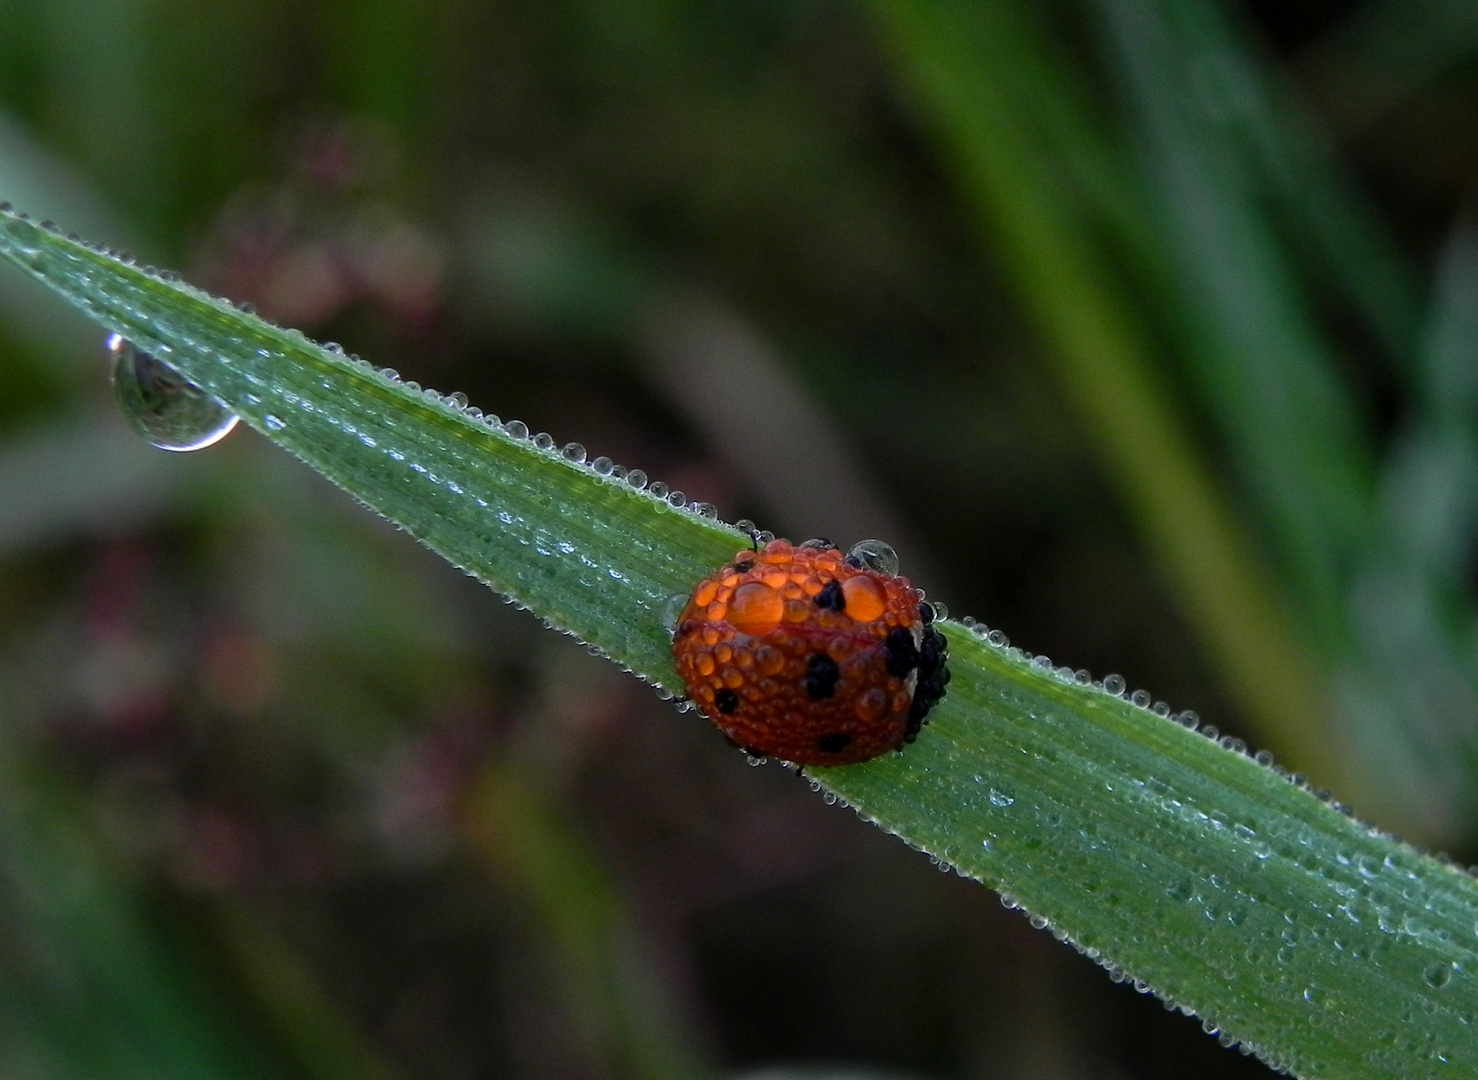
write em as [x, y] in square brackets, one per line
[174, 414]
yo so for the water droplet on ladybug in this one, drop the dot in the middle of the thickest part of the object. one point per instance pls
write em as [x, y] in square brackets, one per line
[874, 555]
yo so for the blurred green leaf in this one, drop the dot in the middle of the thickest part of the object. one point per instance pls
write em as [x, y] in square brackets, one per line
[619, 1014]
[1316, 200]
[1264, 370]
[1385, 50]
[976, 70]
[89, 987]
[1414, 699]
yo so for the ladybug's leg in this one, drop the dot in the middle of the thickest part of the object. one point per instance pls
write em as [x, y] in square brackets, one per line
[737, 745]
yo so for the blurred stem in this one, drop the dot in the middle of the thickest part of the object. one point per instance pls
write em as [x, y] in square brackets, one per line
[1291, 156]
[89, 984]
[382, 60]
[959, 60]
[1288, 427]
[312, 1027]
[612, 993]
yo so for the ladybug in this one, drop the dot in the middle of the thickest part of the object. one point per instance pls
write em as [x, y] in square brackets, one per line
[809, 656]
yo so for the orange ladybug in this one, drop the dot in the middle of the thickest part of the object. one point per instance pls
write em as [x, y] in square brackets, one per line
[810, 656]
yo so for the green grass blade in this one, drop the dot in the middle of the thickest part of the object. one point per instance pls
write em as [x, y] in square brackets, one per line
[1411, 607]
[1331, 949]
[587, 553]
[1354, 252]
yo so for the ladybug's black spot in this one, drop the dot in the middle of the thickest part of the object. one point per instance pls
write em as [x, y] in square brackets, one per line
[933, 678]
[821, 676]
[931, 651]
[926, 613]
[726, 700]
[830, 598]
[744, 566]
[834, 743]
[900, 652]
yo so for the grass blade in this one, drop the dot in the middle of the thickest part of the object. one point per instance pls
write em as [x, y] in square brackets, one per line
[1325, 946]
[1294, 162]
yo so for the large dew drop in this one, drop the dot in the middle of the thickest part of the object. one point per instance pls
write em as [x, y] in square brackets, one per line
[875, 555]
[161, 405]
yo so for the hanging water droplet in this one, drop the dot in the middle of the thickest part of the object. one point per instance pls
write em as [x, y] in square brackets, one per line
[161, 405]
[672, 610]
[875, 555]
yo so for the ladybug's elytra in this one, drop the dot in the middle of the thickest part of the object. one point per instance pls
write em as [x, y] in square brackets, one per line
[809, 656]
